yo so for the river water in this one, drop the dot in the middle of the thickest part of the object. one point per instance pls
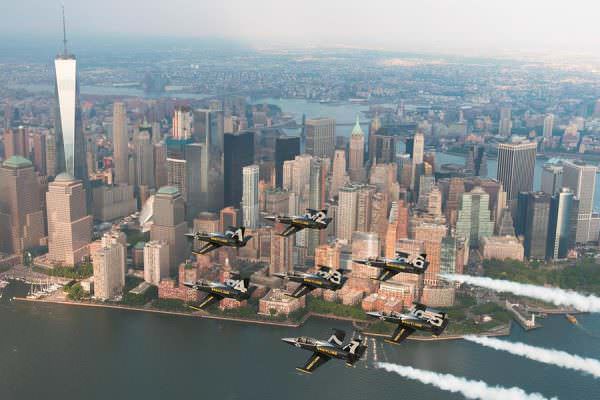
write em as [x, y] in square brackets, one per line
[66, 352]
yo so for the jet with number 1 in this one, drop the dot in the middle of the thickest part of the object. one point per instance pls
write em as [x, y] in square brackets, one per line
[324, 278]
[324, 350]
[313, 219]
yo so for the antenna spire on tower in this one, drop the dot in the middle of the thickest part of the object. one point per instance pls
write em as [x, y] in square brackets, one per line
[64, 31]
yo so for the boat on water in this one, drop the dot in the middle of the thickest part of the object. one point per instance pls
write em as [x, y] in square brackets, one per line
[571, 318]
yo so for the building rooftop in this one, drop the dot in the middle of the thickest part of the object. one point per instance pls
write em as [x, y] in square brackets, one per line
[170, 190]
[17, 162]
[64, 177]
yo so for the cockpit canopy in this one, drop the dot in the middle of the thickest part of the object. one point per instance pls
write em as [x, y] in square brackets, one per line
[306, 340]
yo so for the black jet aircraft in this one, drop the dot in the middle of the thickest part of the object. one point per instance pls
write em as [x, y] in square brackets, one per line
[403, 262]
[420, 318]
[324, 350]
[235, 288]
[233, 237]
[324, 278]
[313, 219]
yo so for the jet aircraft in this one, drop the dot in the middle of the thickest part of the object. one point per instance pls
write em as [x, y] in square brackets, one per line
[324, 350]
[324, 278]
[403, 262]
[235, 288]
[233, 237]
[313, 219]
[420, 318]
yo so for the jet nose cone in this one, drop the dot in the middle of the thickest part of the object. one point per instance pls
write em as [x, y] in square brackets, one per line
[271, 218]
[373, 314]
[291, 341]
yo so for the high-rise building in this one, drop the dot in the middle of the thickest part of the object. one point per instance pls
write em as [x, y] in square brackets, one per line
[581, 179]
[209, 132]
[68, 127]
[156, 261]
[195, 200]
[281, 254]
[338, 176]
[474, 220]
[431, 234]
[21, 215]
[382, 147]
[160, 164]
[562, 224]
[15, 142]
[39, 153]
[286, 148]
[69, 226]
[177, 175]
[229, 217]
[347, 211]
[356, 168]
[169, 224]
[364, 207]
[109, 266]
[552, 175]
[548, 126]
[183, 120]
[320, 137]
[250, 212]
[505, 122]
[476, 161]
[415, 146]
[534, 211]
[120, 143]
[113, 202]
[144, 159]
[51, 156]
[318, 175]
[516, 163]
[239, 153]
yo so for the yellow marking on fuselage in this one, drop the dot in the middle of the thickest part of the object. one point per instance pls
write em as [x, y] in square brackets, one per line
[313, 362]
[328, 352]
[313, 281]
[220, 291]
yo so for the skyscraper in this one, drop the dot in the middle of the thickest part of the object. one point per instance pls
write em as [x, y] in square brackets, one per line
[21, 216]
[505, 122]
[552, 175]
[477, 160]
[562, 225]
[144, 159]
[239, 153]
[177, 175]
[318, 174]
[548, 126]
[39, 153]
[347, 211]
[338, 176]
[169, 224]
[250, 196]
[534, 209]
[68, 128]
[581, 179]
[109, 266]
[15, 142]
[156, 261]
[195, 200]
[356, 163]
[286, 148]
[320, 137]
[182, 123]
[474, 221]
[120, 143]
[69, 226]
[281, 254]
[516, 163]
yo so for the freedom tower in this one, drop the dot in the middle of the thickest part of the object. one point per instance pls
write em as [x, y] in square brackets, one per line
[68, 129]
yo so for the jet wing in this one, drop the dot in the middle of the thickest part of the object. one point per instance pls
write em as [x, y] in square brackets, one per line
[385, 274]
[208, 300]
[314, 362]
[400, 334]
[290, 230]
[302, 290]
[207, 247]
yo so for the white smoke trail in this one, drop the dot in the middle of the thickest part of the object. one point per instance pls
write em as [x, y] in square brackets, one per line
[556, 296]
[455, 384]
[547, 356]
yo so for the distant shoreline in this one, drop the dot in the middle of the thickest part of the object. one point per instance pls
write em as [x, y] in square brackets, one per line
[504, 332]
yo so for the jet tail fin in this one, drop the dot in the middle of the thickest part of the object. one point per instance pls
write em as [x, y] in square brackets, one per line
[337, 337]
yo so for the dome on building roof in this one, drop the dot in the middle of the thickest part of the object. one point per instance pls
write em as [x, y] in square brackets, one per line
[17, 162]
[171, 190]
[64, 177]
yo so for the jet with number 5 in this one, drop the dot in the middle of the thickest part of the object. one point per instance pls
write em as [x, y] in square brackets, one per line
[421, 318]
[403, 262]
[324, 278]
[324, 350]
[313, 219]
[233, 237]
[235, 288]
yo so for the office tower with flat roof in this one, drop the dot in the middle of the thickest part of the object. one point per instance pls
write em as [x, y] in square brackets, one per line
[562, 224]
[476, 161]
[338, 175]
[474, 220]
[548, 126]
[51, 156]
[286, 148]
[347, 211]
[21, 215]
[120, 143]
[144, 159]
[356, 162]
[160, 164]
[109, 262]
[281, 255]
[156, 261]
[69, 225]
[505, 122]
[250, 213]
[536, 212]
[364, 207]
[318, 175]
[177, 175]
[15, 142]
[208, 130]
[169, 224]
[39, 153]
[552, 175]
[239, 153]
[68, 127]
[320, 137]
[195, 200]
[182, 123]
[516, 163]
[581, 179]
[431, 234]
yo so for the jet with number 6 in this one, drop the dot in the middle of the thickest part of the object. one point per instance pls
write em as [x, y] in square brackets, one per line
[403, 262]
[324, 350]
[324, 278]
[236, 288]
[421, 318]
[313, 219]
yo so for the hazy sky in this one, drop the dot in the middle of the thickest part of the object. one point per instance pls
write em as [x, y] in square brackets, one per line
[427, 25]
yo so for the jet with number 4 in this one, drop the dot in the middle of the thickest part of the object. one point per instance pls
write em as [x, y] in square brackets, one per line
[324, 350]
[235, 288]
[403, 262]
[313, 219]
[233, 237]
[421, 318]
[324, 278]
